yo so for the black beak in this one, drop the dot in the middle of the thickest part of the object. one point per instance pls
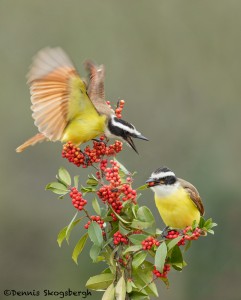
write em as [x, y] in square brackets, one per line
[141, 137]
[151, 182]
[131, 143]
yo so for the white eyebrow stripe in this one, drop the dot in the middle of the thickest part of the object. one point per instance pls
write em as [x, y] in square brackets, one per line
[124, 127]
[162, 175]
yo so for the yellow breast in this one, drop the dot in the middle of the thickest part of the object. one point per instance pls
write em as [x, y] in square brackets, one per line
[84, 128]
[177, 210]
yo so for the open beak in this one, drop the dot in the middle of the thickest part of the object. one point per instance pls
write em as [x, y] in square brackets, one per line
[151, 182]
[131, 143]
[141, 137]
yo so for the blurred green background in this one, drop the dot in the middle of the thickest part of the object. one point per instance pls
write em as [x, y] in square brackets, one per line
[178, 66]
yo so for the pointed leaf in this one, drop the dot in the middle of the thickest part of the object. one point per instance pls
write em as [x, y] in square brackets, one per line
[142, 187]
[100, 282]
[137, 238]
[120, 289]
[133, 249]
[79, 247]
[176, 258]
[57, 188]
[61, 236]
[95, 234]
[96, 206]
[145, 215]
[109, 294]
[92, 182]
[71, 226]
[173, 242]
[64, 176]
[94, 252]
[138, 259]
[160, 256]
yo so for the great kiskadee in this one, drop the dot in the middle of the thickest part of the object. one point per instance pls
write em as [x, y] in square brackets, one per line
[64, 110]
[177, 200]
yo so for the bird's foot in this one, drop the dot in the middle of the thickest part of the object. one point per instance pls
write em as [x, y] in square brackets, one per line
[87, 158]
[165, 231]
[100, 141]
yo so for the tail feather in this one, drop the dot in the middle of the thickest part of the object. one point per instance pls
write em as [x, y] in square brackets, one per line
[39, 137]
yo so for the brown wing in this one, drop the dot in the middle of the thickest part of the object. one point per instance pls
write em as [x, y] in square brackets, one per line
[193, 193]
[49, 78]
[96, 88]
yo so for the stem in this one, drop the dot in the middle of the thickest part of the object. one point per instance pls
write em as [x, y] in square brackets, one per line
[87, 214]
[148, 284]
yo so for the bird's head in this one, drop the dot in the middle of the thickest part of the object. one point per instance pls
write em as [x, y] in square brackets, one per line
[118, 128]
[163, 182]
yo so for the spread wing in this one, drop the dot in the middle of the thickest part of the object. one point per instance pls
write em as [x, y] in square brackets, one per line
[96, 88]
[193, 193]
[57, 92]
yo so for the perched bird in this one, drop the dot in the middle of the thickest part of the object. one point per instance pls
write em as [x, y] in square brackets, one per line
[177, 200]
[63, 109]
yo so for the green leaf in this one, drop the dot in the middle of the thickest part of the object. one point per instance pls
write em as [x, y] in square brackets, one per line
[96, 206]
[139, 296]
[188, 245]
[109, 294]
[120, 218]
[142, 277]
[210, 231]
[176, 258]
[79, 247]
[57, 188]
[61, 236]
[160, 256]
[94, 252]
[71, 226]
[142, 187]
[140, 225]
[166, 281]
[64, 176]
[201, 222]
[137, 238]
[173, 242]
[132, 249]
[95, 234]
[76, 181]
[87, 189]
[100, 282]
[129, 286]
[120, 289]
[92, 182]
[145, 215]
[138, 259]
[123, 230]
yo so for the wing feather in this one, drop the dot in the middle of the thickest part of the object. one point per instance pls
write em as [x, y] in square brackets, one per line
[55, 92]
[193, 193]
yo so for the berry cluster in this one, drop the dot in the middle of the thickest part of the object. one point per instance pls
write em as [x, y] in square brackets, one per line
[112, 174]
[111, 195]
[114, 217]
[77, 199]
[166, 269]
[119, 109]
[89, 156]
[96, 219]
[119, 238]
[149, 242]
[130, 194]
[188, 234]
